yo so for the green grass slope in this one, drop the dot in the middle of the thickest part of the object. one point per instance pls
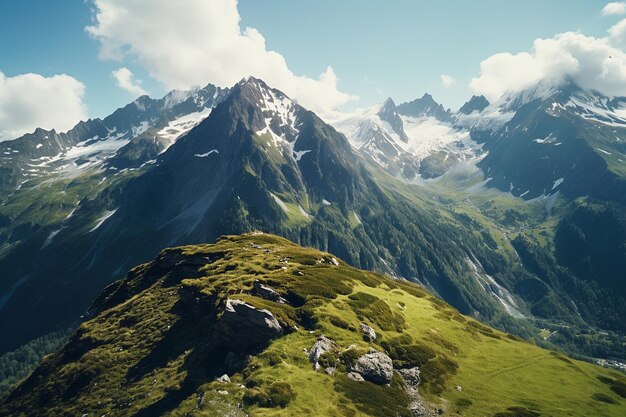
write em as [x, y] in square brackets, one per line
[154, 346]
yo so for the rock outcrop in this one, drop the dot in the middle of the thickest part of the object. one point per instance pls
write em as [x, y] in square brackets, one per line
[375, 367]
[369, 334]
[243, 327]
[355, 376]
[411, 376]
[266, 293]
[321, 346]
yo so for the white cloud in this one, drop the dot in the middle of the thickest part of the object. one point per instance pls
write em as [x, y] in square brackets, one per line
[126, 81]
[593, 63]
[618, 33]
[447, 80]
[190, 43]
[29, 101]
[616, 7]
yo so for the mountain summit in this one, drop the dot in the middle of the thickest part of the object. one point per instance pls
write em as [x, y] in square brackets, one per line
[425, 106]
[388, 113]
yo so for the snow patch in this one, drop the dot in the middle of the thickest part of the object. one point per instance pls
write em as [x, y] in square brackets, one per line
[204, 155]
[138, 130]
[303, 212]
[280, 203]
[550, 139]
[558, 182]
[181, 126]
[101, 220]
[50, 238]
[298, 154]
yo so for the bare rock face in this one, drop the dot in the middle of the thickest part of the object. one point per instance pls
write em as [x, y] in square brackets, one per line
[243, 327]
[417, 406]
[375, 367]
[411, 376]
[369, 334]
[321, 346]
[355, 377]
[224, 378]
[267, 293]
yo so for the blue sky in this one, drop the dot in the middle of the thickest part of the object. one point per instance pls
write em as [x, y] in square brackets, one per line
[377, 48]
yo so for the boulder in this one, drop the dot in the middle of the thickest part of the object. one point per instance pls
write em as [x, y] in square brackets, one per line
[243, 327]
[223, 378]
[375, 367]
[321, 346]
[355, 377]
[369, 334]
[411, 376]
[266, 292]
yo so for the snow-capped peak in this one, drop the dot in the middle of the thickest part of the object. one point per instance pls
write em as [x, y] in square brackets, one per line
[175, 97]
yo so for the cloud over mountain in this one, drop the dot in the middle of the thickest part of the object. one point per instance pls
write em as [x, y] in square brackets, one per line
[192, 42]
[594, 63]
[28, 101]
[126, 80]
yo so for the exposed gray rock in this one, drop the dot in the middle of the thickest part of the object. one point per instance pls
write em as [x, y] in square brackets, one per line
[458, 388]
[355, 377]
[223, 378]
[388, 113]
[321, 346]
[267, 293]
[243, 327]
[369, 334]
[375, 367]
[417, 406]
[330, 370]
[411, 376]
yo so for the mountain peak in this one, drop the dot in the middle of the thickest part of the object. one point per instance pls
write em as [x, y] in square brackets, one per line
[256, 88]
[388, 113]
[426, 106]
[389, 103]
[475, 104]
[253, 82]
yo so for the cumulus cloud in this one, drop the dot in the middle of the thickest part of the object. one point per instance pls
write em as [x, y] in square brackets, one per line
[616, 7]
[618, 33]
[28, 101]
[189, 43]
[447, 80]
[593, 63]
[126, 81]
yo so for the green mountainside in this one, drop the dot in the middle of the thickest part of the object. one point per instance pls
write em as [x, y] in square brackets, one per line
[296, 332]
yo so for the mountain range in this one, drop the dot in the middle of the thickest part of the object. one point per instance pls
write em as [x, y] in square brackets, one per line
[512, 211]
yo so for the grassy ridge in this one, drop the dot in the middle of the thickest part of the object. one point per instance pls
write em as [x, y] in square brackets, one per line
[145, 353]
